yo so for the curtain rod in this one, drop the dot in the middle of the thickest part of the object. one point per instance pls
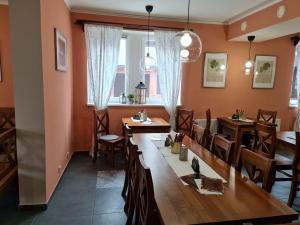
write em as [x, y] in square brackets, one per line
[127, 26]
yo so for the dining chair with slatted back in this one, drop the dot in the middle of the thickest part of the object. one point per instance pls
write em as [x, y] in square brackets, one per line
[133, 181]
[296, 172]
[147, 212]
[265, 140]
[208, 119]
[266, 116]
[222, 148]
[184, 121]
[200, 135]
[265, 144]
[7, 118]
[258, 167]
[128, 135]
[102, 138]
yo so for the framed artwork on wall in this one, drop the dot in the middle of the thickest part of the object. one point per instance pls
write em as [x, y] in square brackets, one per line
[0, 70]
[264, 71]
[215, 70]
[61, 55]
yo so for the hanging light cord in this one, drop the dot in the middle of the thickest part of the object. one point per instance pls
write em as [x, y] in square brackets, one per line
[188, 19]
[250, 49]
[148, 33]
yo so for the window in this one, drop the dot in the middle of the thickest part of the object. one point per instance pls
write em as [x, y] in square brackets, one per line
[296, 73]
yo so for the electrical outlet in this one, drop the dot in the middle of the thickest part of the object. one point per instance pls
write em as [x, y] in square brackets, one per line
[59, 169]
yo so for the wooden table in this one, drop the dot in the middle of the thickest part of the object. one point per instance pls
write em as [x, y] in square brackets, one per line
[158, 125]
[178, 204]
[287, 138]
[238, 127]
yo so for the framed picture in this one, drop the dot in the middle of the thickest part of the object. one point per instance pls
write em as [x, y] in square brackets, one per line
[215, 70]
[264, 71]
[0, 70]
[61, 58]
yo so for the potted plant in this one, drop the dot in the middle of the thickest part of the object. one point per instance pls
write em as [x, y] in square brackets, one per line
[130, 98]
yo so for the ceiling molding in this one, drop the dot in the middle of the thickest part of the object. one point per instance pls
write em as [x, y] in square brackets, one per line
[68, 4]
[249, 12]
[137, 16]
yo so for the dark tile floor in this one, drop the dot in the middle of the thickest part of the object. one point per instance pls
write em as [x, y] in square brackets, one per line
[77, 201]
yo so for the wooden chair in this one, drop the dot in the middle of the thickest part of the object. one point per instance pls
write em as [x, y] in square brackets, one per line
[103, 138]
[7, 118]
[266, 116]
[200, 135]
[8, 151]
[222, 148]
[208, 119]
[184, 121]
[296, 172]
[258, 167]
[265, 144]
[147, 212]
[128, 135]
[133, 181]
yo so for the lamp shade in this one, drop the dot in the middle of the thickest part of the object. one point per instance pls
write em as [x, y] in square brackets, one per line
[190, 45]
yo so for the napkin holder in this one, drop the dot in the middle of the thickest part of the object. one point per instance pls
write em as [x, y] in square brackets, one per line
[195, 166]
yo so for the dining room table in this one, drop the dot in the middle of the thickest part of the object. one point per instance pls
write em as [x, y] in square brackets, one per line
[151, 125]
[179, 204]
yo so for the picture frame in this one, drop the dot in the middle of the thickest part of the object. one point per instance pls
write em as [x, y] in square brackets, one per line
[264, 72]
[61, 53]
[215, 70]
[0, 70]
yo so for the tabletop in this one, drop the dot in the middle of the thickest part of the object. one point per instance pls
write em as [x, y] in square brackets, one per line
[287, 137]
[178, 204]
[246, 122]
[155, 121]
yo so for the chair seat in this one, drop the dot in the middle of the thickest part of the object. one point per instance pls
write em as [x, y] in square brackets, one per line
[283, 161]
[110, 138]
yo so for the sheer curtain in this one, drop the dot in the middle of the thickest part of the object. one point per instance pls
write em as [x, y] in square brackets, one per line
[103, 46]
[169, 70]
[297, 65]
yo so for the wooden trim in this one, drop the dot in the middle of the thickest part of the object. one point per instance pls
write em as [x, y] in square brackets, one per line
[127, 26]
[8, 178]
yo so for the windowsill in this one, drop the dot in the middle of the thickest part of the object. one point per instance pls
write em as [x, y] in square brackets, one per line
[293, 106]
[130, 105]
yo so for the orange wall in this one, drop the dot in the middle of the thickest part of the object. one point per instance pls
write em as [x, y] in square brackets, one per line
[265, 18]
[57, 92]
[222, 102]
[6, 86]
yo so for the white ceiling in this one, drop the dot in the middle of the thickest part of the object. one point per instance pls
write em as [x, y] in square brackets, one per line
[213, 11]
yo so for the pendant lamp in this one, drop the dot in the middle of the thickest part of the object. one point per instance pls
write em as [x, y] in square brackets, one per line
[148, 60]
[190, 43]
[249, 63]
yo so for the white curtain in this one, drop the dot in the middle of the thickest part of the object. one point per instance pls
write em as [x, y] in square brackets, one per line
[169, 70]
[297, 64]
[103, 46]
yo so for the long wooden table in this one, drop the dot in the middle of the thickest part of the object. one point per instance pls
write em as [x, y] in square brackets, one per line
[243, 201]
[287, 138]
[158, 125]
[238, 127]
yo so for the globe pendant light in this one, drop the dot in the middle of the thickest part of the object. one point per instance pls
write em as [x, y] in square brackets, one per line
[249, 63]
[190, 43]
[148, 60]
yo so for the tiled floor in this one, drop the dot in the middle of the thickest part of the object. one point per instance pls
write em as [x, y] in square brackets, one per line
[77, 201]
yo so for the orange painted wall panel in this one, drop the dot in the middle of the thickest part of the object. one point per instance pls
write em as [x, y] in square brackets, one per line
[6, 86]
[58, 94]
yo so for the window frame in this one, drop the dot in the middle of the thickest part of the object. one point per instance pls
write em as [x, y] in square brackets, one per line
[293, 102]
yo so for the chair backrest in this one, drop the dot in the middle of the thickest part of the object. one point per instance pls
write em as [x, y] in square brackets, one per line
[128, 135]
[200, 135]
[7, 118]
[101, 120]
[184, 121]
[258, 167]
[8, 151]
[146, 206]
[296, 162]
[208, 119]
[265, 139]
[222, 147]
[266, 116]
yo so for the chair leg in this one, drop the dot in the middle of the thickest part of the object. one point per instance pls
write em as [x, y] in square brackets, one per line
[95, 152]
[125, 186]
[293, 192]
[112, 156]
